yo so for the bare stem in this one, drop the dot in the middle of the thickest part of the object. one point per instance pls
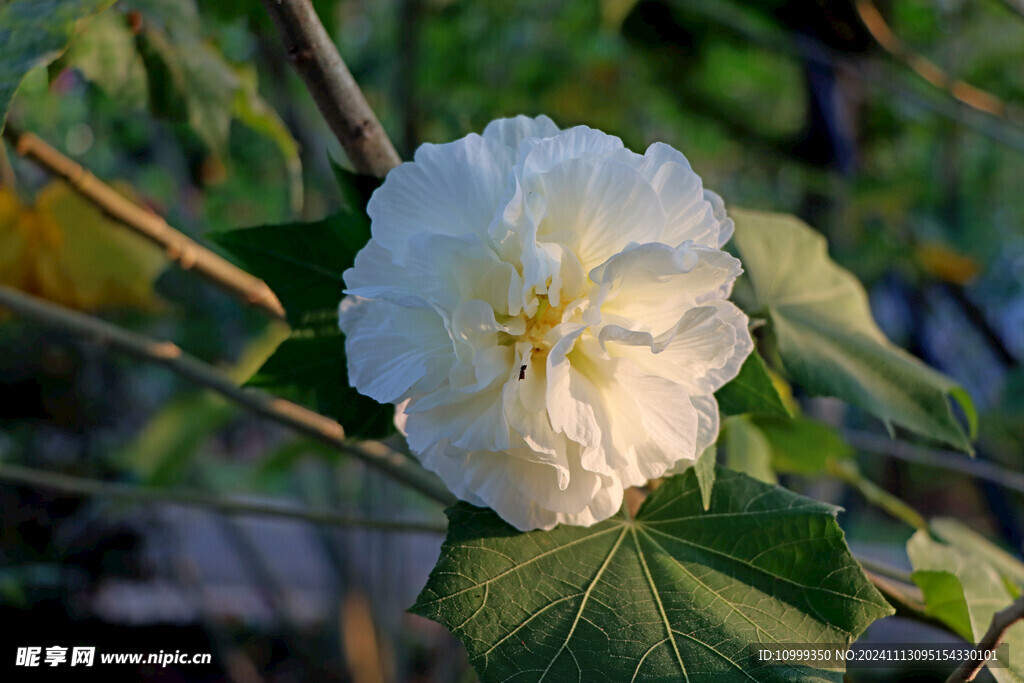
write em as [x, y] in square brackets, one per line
[972, 96]
[847, 472]
[332, 86]
[1001, 623]
[906, 600]
[181, 249]
[17, 474]
[302, 420]
[933, 457]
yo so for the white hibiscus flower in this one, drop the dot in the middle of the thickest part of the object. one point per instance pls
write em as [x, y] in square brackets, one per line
[548, 310]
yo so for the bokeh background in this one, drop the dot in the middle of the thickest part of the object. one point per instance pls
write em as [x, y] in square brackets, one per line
[895, 127]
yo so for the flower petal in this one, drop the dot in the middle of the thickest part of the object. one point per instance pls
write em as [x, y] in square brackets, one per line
[589, 204]
[508, 135]
[449, 189]
[391, 348]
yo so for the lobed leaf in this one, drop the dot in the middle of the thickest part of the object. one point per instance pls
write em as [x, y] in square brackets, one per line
[675, 594]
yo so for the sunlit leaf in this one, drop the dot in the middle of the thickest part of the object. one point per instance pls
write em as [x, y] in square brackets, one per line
[747, 449]
[705, 470]
[961, 536]
[676, 590]
[65, 250]
[963, 591]
[34, 33]
[827, 338]
[801, 445]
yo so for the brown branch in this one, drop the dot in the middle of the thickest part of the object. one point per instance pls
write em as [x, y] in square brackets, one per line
[181, 249]
[953, 461]
[302, 420]
[332, 86]
[906, 600]
[1001, 623]
[970, 95]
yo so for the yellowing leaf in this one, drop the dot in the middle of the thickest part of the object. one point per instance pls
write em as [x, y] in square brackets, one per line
[65, 250]
[946, 264]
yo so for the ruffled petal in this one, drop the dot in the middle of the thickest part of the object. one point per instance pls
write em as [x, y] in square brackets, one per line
[391, 348]
[449, 189]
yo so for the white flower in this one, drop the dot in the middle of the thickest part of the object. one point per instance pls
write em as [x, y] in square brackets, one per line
[548, 310]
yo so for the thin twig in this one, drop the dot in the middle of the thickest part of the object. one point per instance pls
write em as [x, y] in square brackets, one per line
[906, 600]
[332, 86]
[937, 458]
[970, 95]
[885, 570]
[1015, 6]
[292, 415]
[1001, 623]
[181, 249]
[847, 472]
[103, 489]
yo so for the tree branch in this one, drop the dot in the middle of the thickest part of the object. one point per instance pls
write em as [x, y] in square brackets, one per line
[1001, 623]
[906, 600]
[181, 249]
[292, 415]
[970, 95]
[341, 102]
[934, 457]
[847, 472]
[28, 476]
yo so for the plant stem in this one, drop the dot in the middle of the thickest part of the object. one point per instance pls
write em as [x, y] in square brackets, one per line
[298, 418]
[1001, 623]
[341, 102]
[848, 473]
[933, 457]
[102, 489]
[181, 249]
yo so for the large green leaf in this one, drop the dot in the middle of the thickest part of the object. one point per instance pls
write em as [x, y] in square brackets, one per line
[676, 594]
[827, 338]
[751, 391]
[962, 590]
[311, 369]
[302, 262]
[34, 33]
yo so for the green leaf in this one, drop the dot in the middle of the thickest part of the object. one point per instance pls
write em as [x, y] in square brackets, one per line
[356, 189]
[34, 33]
[751, 391]
[253, 111]
[747, 449]
[801, 445]
[961, 536]
[963, 591]
[827, 338]
[704, 468]
[676, 590]
[166, 448]
[105, 52]
[302, 262]
[312, 370]
[165, 80]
